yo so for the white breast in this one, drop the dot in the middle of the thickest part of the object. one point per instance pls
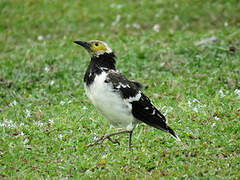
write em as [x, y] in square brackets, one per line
[116, 110]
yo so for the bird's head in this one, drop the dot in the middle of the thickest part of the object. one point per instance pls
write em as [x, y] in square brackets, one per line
[95, 47]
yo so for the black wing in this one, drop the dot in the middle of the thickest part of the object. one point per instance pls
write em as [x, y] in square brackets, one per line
[144, 111]
[121, 84]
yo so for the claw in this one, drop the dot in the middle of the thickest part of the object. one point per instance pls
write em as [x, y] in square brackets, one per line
[113, 141]
[108, 136]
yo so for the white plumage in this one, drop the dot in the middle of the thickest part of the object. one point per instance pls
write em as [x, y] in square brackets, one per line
[110, 103]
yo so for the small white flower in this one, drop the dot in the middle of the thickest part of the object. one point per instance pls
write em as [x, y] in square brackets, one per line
[196, 100]
[195, 109]
[111, 126]
[84, 108]
[39, 123]
[69, 101]
[52, 82]
[189, 103]
[156, 27]
[167, 109]
[50, 121]
[135, 25]
[46, 69]
[40, 37]
[225, 24]
[3, 125]
[11, 124]
[60, 136]
[62, 102]
[94, 137]
[21, 124]
[165, 113]
[221, 94]
[13, 103]
[216, 118]
[21, 134]
[28, 114]
[213, 125]
[237, 92]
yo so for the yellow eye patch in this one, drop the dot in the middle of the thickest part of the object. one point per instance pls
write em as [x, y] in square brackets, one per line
[98, 47]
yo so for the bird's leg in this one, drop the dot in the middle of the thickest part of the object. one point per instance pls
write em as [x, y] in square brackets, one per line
[108, 136]
[130, 140]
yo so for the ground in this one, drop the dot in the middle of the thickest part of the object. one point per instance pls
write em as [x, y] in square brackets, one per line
[185, 53]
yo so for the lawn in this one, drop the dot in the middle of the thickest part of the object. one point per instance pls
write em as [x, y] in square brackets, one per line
[186, 53]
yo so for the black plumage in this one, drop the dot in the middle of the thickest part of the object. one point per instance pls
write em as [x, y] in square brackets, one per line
[122, 85]
[144, 111]
[98, 64]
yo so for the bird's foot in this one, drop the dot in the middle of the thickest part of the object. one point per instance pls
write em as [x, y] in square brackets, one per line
[108, 136]
[113, 141]
[97, 141]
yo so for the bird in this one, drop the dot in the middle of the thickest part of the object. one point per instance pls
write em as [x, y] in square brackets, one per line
[120, 100]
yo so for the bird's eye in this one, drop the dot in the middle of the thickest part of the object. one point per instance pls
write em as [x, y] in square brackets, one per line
[96, 44]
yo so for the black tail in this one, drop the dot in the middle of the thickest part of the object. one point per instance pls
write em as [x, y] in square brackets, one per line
[173, 133]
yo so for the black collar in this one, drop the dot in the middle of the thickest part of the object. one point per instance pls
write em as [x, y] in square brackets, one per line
[106, 60]
[99, 64]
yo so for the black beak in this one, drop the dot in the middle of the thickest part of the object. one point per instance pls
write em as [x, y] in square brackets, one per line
[83, 44]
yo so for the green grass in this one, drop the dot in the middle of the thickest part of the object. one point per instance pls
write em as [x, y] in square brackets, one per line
[46, 120]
